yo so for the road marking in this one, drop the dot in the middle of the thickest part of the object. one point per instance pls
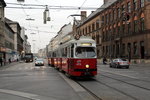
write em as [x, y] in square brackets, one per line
[20, 94]
[73, 84]
[119, 74]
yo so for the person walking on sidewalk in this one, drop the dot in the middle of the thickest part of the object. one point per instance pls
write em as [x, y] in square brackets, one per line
[104, 60]
[1, 61]
[9, 60]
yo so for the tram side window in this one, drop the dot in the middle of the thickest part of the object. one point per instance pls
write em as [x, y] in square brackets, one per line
[64, 52]
[68, 53]
[72, 47]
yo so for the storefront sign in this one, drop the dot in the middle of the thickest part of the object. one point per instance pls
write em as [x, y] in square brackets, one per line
[2, 49]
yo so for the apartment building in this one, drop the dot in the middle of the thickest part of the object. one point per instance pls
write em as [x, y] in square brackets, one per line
[120, 28]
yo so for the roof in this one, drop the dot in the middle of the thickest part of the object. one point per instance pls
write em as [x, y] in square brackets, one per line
[100, 9]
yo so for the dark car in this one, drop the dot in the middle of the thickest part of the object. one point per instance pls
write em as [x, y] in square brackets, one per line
[119, 63]
[39, 62]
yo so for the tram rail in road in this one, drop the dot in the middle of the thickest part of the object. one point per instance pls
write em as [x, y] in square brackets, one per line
[79, 88]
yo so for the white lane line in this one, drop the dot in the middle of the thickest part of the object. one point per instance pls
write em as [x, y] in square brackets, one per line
[119, 74]
[73, 84]
[20, 94]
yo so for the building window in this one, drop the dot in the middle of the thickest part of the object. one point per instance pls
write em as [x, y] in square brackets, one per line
[93, 27]
[129, 7]
[123, 8]
[135, 26]
[86, 30]
[134, 4]
[106, 18]
[114, 15]
[123, 49]
[109, 17]
[97, 24]
[89, 28]
[103, 20]
[142, 24]
[118, 30]
[135, 52]
[83, 32]
[129, 28]
[141, 3]
[123, 28]
[118, 12]
[97, 39]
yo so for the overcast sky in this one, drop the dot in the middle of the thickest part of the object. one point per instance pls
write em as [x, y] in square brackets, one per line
[59, 17]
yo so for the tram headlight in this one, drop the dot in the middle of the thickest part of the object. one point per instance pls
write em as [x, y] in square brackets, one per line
[87, 66]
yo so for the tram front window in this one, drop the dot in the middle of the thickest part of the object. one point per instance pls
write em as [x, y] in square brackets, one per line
[85, 52]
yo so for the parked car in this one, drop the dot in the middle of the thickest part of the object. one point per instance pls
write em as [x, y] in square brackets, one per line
[119, 63]
[39, 62]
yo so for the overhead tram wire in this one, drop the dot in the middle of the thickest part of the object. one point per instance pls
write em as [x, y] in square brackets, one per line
[35, 6]
[60, 8]
[42, 31]
[82, 5]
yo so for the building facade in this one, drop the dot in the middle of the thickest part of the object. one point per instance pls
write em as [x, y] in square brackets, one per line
[9, 44]
[18, 41]
[120, 28]
[125, 30]
[2, 25]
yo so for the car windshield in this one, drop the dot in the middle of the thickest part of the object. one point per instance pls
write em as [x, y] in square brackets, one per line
[39, 60]
[85, 52]
[123, 59]
[28, 56]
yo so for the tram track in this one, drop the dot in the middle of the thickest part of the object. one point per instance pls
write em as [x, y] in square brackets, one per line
[126, 76]
[116, 89]
[121, 81]
[89, 91]
[129, 82]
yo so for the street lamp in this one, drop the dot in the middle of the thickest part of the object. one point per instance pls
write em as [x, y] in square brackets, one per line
[46, 15]
[32, 33]
[20, 0]
[30, 19]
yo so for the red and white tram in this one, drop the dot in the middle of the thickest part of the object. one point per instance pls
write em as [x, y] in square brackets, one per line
[76, 57]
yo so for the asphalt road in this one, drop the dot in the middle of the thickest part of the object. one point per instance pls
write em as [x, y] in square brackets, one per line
[29, 82]
[24, 81]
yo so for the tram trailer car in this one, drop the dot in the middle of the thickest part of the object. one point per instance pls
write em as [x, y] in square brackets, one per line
[79, 57]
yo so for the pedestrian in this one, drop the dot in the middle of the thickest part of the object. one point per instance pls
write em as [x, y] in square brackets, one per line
[1, 61]
[9, 60]
[104, 60]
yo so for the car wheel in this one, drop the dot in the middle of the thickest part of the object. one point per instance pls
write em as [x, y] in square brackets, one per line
[127, 67]
[117, 66]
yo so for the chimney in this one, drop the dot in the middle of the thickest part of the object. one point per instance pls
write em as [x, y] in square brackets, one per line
[105, 1]
[83, 15]
[92, 12]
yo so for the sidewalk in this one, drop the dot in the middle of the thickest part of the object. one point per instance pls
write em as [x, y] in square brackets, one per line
[8, 65]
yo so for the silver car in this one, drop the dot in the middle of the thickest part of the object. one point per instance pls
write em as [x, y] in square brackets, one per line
[39, 62]
[119, 63]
